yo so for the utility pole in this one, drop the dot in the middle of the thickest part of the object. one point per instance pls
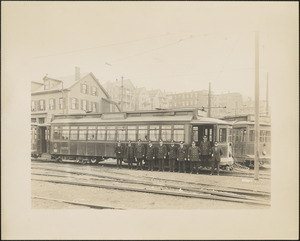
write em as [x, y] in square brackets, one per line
[122, 94]
[209, 100]
[256, 127]
[267, 95]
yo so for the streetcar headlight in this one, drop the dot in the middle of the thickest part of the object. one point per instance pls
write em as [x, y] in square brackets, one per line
[264, 153]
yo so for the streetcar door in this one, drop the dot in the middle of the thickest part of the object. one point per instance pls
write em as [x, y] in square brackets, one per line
[203, 130]
[43, 140]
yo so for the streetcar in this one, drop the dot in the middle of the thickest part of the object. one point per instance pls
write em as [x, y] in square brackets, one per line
[243, 143]
[91, 137]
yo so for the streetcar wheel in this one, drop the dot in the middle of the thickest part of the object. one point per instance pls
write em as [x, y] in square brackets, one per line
[93, 160]
[84, 161]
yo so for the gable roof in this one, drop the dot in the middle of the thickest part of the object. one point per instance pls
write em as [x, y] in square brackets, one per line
[67, 82]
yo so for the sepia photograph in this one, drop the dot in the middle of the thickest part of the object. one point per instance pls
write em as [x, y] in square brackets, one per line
[150, 120]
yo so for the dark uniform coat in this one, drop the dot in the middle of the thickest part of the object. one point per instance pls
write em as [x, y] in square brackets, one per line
[130, 152]
[139, 151]
[119, 151]
[194, 153]
[161, 152]
[172, 152]
[205, 148]
[181, 153]
[216, 153]
[150, 153]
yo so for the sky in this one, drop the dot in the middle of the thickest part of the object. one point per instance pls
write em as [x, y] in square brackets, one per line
[173, 46]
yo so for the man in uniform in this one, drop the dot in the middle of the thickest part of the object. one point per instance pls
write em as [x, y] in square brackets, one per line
[150, 156]
[119, 154]
[130, 154]
[139, 153]
[216, 158]
[181, 157]
[161, 155]
[193, 157]
[205, 149]
[172, 156]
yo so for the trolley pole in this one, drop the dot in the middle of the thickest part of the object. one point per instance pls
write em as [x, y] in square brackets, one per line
[209, 100]
[256, 144]
[122, 94]
[267, 95]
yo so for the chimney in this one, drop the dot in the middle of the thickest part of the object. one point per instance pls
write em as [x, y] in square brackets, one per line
[77, 73]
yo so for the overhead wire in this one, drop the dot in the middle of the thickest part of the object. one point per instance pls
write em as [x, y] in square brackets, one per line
[103, 46]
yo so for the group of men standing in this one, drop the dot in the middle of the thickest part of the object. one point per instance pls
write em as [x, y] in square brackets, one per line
[204, 155]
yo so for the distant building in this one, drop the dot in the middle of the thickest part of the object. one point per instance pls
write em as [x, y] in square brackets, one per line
[232, 101]
[142, 99]
[67, 96]
[122, 92]
[189, 99]
[158, 99]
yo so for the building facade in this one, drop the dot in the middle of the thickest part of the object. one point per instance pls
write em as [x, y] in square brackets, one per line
[122, 92]
[69, 96]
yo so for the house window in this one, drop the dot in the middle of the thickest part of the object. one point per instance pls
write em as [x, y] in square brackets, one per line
[47, 84]
[84, 105]
[42, 104]
[94, 91]
[33, 105]
[94, 106]
[84, 88]
[61, 103]
[51, 104]
[73, 103]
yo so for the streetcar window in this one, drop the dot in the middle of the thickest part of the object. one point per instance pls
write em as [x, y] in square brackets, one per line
[166, 132]
[268, 136]
[131, 133]
[111, 133]
[222, 135]
[56, 133]
[230, 135]
[178, 133]
[101, 133]
[195, 133]
[121, 131]
[262, 136]
[65, 133]
[73, 133]
[143, 133]
[82, 133]
[251, 135]
[92, 133]
[154, 133]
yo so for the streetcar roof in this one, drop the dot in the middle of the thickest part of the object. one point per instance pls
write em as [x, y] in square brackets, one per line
[183, 118]
[209, 120]
[243, 123]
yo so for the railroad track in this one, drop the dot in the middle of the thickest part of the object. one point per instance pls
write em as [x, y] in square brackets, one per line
[202, 171]
[215, 193]
[75, 203]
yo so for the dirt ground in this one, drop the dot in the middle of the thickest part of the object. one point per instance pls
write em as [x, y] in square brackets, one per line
[120, 199]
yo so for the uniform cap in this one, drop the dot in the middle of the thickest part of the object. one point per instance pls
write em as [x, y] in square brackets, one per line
[181, 142]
